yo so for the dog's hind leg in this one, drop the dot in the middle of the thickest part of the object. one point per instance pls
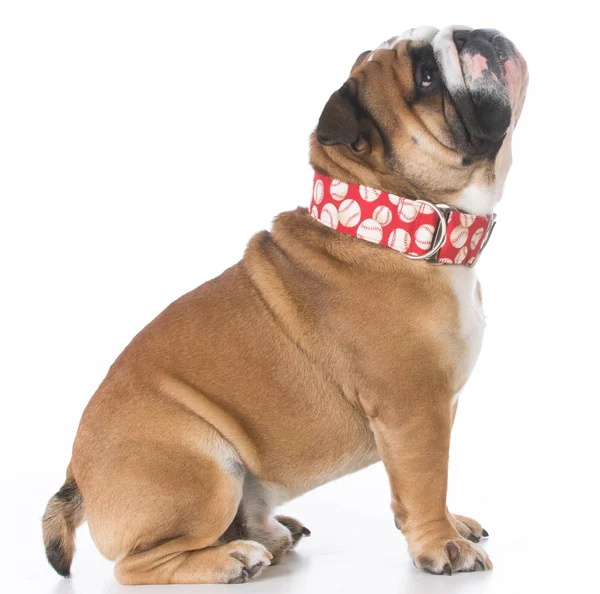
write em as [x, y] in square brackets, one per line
[185, 546]
[254, 521]
[182, 561]
[168, 503]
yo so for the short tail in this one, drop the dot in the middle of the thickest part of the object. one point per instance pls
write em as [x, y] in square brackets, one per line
[65, 511]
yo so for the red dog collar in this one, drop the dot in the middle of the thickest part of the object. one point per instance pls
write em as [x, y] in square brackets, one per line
[421, 230]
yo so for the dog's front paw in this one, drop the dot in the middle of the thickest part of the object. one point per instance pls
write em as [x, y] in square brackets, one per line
[448, 556]
[468, 528]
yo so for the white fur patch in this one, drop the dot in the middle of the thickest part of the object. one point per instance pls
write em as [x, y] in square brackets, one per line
[447, 58]
[420, 34]
[479, 200]
[472, 320]
[455, 398]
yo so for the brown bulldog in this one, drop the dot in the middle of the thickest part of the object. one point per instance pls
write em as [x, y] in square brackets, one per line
[320, 352]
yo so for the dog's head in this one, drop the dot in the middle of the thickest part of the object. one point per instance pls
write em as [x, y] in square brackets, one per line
[428, 114]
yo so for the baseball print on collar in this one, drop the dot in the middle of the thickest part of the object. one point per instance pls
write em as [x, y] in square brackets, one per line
[407, 226]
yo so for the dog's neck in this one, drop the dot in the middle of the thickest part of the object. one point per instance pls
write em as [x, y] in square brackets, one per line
[475, 190]
[419, 229]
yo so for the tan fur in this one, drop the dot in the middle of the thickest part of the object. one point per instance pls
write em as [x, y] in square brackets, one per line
[316, 355]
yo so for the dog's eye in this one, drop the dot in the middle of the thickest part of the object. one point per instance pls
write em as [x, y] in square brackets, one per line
[427, 74]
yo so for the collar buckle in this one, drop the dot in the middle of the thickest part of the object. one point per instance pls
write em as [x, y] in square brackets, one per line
[441, 232]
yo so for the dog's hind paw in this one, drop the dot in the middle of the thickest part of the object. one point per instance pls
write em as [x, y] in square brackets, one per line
[297, 529]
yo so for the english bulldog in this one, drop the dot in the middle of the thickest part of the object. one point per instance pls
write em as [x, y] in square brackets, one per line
[343, 337]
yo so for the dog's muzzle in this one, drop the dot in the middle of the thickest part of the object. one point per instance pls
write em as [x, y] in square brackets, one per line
[485, 77]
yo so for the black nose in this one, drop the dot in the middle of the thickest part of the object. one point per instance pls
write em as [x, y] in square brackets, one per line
[476, 36]
[460, 38]
[486, 34]
[485, 110]
[481, 40]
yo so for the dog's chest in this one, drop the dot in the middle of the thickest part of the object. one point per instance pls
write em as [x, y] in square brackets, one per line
[471, 320]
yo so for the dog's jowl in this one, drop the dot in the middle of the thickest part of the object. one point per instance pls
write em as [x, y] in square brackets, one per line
[343, 337]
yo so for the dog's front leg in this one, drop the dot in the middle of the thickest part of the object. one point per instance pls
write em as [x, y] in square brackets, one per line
[414, 444]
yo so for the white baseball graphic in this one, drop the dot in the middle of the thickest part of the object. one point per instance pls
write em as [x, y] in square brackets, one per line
[370, 230]
[369, 194]
[329, 216]
[383, 215]
[407, 210]
[462, 254]
[314, 212]
[459, 236]
[466, 220]
[426, 209]
[399, 240]
[476, 238]
[318, 192]
[394, 199]
[349, 213]
[338, 189]
[424, 236]
[445, 261]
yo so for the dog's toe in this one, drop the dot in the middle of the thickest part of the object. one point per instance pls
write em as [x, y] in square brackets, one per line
[468, 527]
[296, 528]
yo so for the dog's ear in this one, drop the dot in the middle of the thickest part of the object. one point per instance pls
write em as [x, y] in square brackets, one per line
[338, 123]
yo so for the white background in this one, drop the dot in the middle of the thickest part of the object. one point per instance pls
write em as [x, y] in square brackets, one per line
[124, 129]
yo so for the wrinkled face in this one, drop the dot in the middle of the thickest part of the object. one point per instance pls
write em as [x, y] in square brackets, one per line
[430, 114]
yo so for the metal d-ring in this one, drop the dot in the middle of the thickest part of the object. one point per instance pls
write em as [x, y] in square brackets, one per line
[440, 235]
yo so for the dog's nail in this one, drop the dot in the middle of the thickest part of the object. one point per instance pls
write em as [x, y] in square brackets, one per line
[479, 565]
[240, 579]
[485, 533]
[447, 569]
[306, 531]
[473, 538]
[255, 569]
